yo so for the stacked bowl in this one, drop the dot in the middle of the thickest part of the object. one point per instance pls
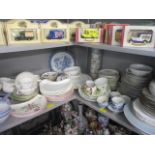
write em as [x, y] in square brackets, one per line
[4, 109]
[56, 90]
[137, 77]
[112, 76]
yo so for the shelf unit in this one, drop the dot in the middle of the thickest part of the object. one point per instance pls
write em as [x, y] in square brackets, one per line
[119, 118]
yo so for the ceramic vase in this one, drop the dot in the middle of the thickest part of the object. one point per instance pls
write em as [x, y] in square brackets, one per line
[95, 63]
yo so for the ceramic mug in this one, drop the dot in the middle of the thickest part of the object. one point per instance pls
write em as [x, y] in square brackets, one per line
[8, 86]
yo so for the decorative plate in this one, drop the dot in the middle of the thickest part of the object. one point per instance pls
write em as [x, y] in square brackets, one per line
[60, 61]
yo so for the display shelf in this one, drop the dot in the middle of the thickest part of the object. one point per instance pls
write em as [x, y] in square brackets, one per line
[129, 50]
[118, 118]
[29, 47]
[14, 121]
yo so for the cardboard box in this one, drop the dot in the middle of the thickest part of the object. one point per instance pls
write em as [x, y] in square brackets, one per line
[54, 32]
[138, 36]
[22, 32]
[2, 36]
[91, 35]
[73, 26]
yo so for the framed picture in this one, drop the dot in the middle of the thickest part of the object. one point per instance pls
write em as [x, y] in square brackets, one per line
[54, 31]
[2, 36]
[73, 26]
[138, 36]
[22, 32]
[89, 35]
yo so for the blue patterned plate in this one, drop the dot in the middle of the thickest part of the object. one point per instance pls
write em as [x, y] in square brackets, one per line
[60, 61]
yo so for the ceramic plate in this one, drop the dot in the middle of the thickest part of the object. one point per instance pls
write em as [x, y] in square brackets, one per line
[60, 61]
[129, 114]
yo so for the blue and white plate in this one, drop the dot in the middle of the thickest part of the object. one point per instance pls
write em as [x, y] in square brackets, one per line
[60, 61]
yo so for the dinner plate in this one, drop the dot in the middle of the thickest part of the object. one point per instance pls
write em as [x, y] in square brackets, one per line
[61, 61]
[129, 114]
[142, 114]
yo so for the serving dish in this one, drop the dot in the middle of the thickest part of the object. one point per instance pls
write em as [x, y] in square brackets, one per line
[30, 107]
[49, 88]
[61, 60]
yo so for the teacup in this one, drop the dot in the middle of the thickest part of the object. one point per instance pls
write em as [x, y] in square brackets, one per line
[103, 101]
[72, 71]
[8, 85]
[90, 83]
[118, 101]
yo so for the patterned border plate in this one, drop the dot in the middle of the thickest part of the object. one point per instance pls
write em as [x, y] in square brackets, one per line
[61, 60]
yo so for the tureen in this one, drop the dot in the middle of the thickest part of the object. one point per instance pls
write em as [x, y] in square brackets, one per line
[26, 83]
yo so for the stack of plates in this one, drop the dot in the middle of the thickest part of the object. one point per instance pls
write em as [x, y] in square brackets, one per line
[137, 117]
[4, 111]
[148, 102]
[56, 90]
[136, 78]
[16, 98]
[29, 108]
[112, 76]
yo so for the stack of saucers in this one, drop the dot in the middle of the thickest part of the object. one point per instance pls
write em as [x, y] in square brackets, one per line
[4, 109]
[136, 78]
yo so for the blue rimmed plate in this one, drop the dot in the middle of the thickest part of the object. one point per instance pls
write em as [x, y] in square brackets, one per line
[61, 60]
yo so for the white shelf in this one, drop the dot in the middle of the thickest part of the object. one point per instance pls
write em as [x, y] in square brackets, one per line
[136, 51]
[14, 121]
[119, 118]
[129, 50]
[30, 47]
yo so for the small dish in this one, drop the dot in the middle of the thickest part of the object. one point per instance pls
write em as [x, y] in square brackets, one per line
[49, 75]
